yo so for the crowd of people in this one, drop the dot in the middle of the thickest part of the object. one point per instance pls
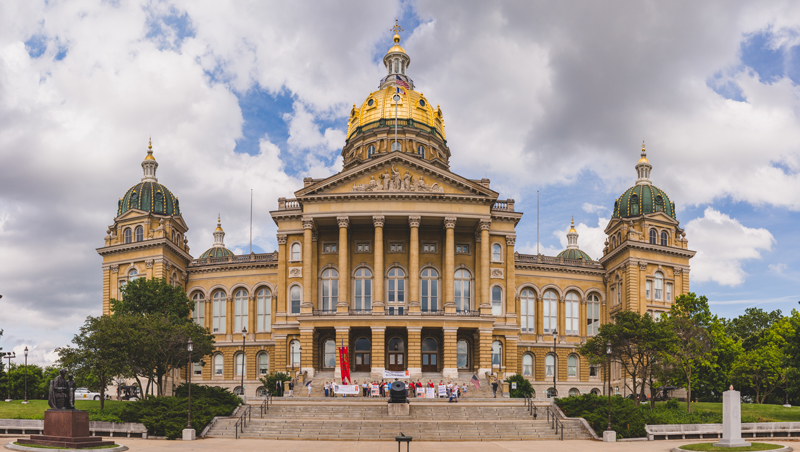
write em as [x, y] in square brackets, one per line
[452, 391]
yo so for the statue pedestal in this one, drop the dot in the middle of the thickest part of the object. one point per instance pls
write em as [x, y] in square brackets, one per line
[66, 428]
[731, 420]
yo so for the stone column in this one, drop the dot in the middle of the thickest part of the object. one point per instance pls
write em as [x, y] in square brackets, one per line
[342, 340]
[486, 305]
[511, 290]
[307, 306]
[378, 298]
[449, 264]
[378, 354]
[510, 354]
[344, 272]
[450, 367]
[413, 265]
[484, 352]
[476, 291]
[280, 313]
[307, 351]
[279, 361]
[414, 352]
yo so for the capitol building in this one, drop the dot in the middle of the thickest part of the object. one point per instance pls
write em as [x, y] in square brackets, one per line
[412, 266]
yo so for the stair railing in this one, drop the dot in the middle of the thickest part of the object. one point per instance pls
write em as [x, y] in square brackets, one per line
[265, 404]
[555, 422]
[242, 422]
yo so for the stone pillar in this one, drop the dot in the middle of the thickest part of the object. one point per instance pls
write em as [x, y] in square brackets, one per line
[280, 312]
[484, 352]
[450, 367]
[477, 277]
[486, 305]
[731, 420]
[307, 351]
[632, 289]
[449, 264]
[413, 265]
[378, 354]
[342, 339]
[378, 298]
[511, 290]
[279, 361]
[306, 307]
[344, 272]
[511, 355]
[414, 353]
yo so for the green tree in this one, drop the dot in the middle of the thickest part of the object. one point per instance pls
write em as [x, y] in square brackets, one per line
[760, 369]
[750, 326]
[713, 377]
[147, 297]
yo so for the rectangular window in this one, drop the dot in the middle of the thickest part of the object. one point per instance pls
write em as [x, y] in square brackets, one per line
[395, 247]
[362, 247]
[263, 308]
[429, 247]
[669, 293]
[219, 316]
[329, 248]
[239, 313]
[594, 371]
[199, 313]
[648, 289]
[592, 318]
[197, 369]
[462, 248]
[526, 314]
[572, 316]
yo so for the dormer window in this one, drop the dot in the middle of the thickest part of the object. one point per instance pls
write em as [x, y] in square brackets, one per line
[663, 238]
[159, 202]
[128, 235]
[635, 205]
[659, 203]
[139, 233]
[652, 236]
[370, 102]
[370, 151]
[421, 150]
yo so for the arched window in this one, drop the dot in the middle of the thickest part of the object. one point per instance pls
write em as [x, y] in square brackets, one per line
[527, 304]
[653, 235]
[574, 392]
[240, 310]
[133, 274]
[261, 391]
[295, 297]
[572, 366]
[329, 354]
[139, 233]
[462, 354]
[240, 363]
[128, 234]
[363, 289]
[572, 313]
[527, 365]
[497, 300]
[396, 286]
[592, 315]
[263, 364]
[549, 366]
[238, 391]
[329, 285]
[613, 242]
[421, 151]
[263, 309]
[664, 238]
[429, 290]
[294, 353]
[159, 202]
[199, 311]
[550, 311]
[595, 391]
[463, 294]
[370, 151]
[296, 252]
[218, 362]
[635, 205]
[219, 310]
[497, 353]
[497, 253]
[659, 286]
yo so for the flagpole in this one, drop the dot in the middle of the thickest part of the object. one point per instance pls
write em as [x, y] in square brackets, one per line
[251, 221]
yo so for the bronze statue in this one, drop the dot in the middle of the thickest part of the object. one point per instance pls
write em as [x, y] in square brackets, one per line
[61, 393]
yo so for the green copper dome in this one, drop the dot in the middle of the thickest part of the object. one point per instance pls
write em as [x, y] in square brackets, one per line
[150, 197]
[217, 251]
[643, 199]
[574, 254]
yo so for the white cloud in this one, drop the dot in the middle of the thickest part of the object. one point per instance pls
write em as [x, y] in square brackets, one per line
[723, 245]
[777, 268]
[593, 208]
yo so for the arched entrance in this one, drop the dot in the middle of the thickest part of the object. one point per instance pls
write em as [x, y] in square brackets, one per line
[430, 354]
[362, 352]
[396, 354]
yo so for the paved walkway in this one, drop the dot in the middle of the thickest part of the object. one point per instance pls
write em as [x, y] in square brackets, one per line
[217, 444]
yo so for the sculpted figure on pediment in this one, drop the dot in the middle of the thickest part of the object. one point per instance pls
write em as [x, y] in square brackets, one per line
[394, 181]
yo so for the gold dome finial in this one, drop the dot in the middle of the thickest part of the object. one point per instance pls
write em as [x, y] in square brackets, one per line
[572, 225]
[644, 155]
[219, 223]
[150, 149]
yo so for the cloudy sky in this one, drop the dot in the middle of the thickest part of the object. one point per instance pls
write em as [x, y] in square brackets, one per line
[554, 97]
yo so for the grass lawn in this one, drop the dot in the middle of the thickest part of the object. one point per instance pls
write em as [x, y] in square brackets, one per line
[712, 448]
[35, 408]
[765, 413]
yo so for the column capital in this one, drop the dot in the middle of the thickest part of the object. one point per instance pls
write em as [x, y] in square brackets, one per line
[378, 221]
[414, 329]
[282, 239]
[485, 224]
[450, 222]
[413, 221]
[511, 240]
[308, 223]
[342, 329]
[677, 271]
[378, 329]
[450, 329]
[343, 221]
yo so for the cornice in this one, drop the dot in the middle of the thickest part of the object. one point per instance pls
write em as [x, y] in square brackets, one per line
[646, 246]
[145, 244]
[560, 268]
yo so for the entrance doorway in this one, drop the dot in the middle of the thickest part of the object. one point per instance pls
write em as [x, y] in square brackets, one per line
[429, 355]
[396, 354]
[362, 352]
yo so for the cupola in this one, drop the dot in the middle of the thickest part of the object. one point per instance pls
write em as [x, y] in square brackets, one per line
[218, 249]
[572, 251]
[148, 195]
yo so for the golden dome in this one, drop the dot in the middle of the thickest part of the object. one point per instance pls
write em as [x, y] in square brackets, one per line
[396, 47]
[379, 105]
[572, 227]
[644, 156]
[150, 151]
[219, 224]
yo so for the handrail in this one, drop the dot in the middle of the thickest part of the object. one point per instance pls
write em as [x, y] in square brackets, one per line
[265, 404]
[242, 422]
[554, 422]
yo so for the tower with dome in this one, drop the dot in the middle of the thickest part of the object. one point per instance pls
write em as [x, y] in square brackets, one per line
[412, 266]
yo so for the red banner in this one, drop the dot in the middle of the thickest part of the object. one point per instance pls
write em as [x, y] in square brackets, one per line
[344, 363]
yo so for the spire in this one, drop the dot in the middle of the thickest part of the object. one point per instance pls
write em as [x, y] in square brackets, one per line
[219, 234]
[149, 165]
[643, 168]
[572, 236]
[396, 61]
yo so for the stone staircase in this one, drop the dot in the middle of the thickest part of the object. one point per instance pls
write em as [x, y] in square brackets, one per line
[367, 420]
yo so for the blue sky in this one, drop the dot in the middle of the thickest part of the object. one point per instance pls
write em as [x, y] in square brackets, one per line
[543, 97]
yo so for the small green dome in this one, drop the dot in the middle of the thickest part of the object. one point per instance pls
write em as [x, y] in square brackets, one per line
[150, 197]
[217, 251]
[643, 199]
[574, 254]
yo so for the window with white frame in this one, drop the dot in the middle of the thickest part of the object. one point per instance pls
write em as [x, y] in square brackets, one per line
[128, 235]
[497, 253]
[429, 290]
[329, 354]
[329, 284]
[294, 353]
[572, 366]
[395, 247]
[462, 354]
[296, 252]
[527, 301]
[218, 365]
[219, 310]
[497, 300]
[527, 365]
[295, 297]
[133, 274]
[658, 286]
[497, 353]
[572, 313]
[363, 289]
[263, 309]
[240, 302]
[240, 363]
[396, 285]
[363, 247]
[197, 369]
[139, 233]
[648, 289]
[550, 311]
[463, 294]
[429, 247]
[263, 364]
[592, 314]
[594, 371]
[199, 312]
[549, 366]
[329, 248]
[668, 295]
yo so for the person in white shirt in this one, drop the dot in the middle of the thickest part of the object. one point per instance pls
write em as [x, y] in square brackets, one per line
[309, 388]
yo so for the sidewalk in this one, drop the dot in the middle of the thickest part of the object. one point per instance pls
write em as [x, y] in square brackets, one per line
[216, 444]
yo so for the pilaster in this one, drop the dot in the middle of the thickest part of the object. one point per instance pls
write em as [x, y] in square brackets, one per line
[306, 307]
[484, 351]
[485, 304]
[378, 298]
[279, 358]
[413, 265]
[280, 311]
[449, 264]
[450, 366]
[378, 351]
[344, 271]
[511, 293]
[511, 355]
[307, 351]
[414, 351]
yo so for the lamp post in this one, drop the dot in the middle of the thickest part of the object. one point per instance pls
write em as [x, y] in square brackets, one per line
[8, 356]
[555, 338]
[608, 377]
[241, 369]
[26, 376]
[188, 432]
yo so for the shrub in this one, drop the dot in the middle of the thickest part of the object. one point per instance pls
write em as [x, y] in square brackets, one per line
[271, 379]
[524, 388]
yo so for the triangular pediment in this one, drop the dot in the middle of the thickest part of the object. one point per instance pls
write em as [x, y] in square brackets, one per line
[136, 214]
[397, 173]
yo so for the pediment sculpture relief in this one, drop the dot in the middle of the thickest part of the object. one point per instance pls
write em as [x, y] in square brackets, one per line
[395, 182]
